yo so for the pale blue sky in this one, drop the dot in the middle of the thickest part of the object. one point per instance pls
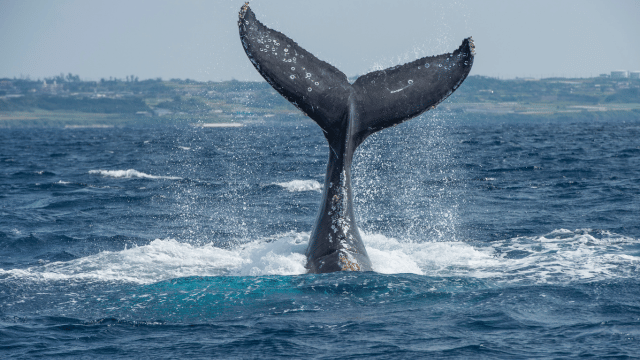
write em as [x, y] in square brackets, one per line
[199, 39]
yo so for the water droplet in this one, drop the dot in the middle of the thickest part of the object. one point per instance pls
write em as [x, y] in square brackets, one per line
[410, 82]
[288, 45]
[439, 65]
[292, 77]
[286, 50]
[309, 89]
[317, 83]
[267, 46]
[308, 75]
[293, 68]
[426, 66]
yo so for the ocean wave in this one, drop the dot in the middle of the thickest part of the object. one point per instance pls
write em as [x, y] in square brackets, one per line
[556, 257]
[301, 185]
[164, 259]
[94, 126]
[130, 174]
[564, 255]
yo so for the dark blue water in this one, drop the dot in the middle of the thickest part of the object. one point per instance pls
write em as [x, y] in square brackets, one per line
[489, 240]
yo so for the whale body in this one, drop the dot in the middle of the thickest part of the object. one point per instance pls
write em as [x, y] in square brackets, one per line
[347, 114]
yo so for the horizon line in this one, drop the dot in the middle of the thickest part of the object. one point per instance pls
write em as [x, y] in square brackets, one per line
[133, 78]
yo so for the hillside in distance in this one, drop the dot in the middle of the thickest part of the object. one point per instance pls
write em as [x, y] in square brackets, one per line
[68, 100]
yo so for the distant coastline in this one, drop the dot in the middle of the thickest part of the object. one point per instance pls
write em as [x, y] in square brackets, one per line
[67, 101]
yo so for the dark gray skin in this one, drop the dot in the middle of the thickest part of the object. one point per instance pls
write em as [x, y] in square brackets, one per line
[347, 114]
[335, 243]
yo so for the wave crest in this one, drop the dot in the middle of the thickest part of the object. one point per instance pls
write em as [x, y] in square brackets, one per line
[301, 185]
[130, 174]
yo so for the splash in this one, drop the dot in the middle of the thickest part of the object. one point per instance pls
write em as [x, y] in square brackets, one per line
[558, 257]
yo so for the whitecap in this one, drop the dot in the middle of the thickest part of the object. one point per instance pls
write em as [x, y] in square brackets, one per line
[301, 185]
[94, 126]
[130, 174]
[219, 125]
[558, 257]
[391, 256]
[164, 259]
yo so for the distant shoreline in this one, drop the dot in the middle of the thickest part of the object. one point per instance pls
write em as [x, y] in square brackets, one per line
[106, 121]
[68, 101]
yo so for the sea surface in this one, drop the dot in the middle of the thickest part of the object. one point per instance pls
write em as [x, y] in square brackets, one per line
[489, 240]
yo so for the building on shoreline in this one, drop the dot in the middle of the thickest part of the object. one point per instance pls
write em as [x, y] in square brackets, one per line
[619, 74]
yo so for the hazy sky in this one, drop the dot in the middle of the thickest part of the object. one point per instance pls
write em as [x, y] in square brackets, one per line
[199, 39]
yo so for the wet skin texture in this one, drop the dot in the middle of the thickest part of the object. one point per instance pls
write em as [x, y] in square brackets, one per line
[348, 114]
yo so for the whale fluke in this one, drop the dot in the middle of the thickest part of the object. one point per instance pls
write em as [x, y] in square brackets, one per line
[312, 85]
[391, 96]
[347, 114]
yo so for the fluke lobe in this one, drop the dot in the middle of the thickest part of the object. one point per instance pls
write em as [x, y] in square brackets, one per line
[348, 114]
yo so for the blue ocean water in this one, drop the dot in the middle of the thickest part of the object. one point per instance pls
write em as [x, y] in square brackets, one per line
[489, 240]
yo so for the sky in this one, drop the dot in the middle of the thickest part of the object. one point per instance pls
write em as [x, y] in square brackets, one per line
[199, 39]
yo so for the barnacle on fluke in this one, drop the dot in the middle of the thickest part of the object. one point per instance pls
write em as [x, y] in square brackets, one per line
[348, 114]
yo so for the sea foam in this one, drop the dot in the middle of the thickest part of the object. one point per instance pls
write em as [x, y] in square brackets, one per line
[556, 257]
[130, 174]
[301, 185]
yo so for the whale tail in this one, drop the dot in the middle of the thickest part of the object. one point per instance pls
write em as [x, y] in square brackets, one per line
[384, 98]
[347, 114]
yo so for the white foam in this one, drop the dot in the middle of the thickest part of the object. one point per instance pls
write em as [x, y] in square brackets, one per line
[130, 174]
[564, 255]
[184, 148]
[390, 256]
[217, 125]
[559, 256]
[94, 126]
[301, 185]
[63, 182]
[164, 259]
